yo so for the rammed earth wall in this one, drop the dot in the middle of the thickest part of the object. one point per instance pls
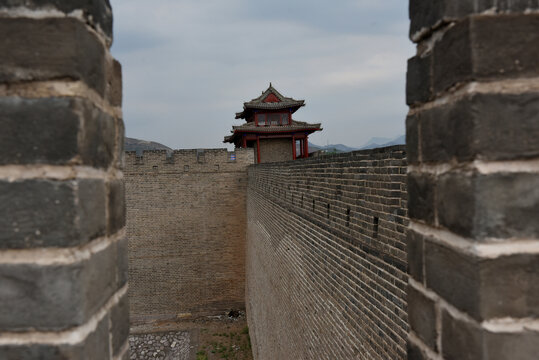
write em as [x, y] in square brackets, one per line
[186, 216]
[326, 257]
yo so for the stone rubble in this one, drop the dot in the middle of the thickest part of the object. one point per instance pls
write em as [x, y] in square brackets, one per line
[159, 346]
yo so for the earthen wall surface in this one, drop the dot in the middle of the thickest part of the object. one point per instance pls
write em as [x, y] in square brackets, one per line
[186, 216]
[326, 257]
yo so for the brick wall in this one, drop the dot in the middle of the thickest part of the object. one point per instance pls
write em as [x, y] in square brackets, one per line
[186, 228]
[63, 251]
[473, 150]
[275, 150]
[326, 257]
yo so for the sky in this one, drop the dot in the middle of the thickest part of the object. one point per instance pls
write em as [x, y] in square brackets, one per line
[189, 65]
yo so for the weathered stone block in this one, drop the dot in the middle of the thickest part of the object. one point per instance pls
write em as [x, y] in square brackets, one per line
[116, 206]
[481, 206]
[422, 317]
[425, 15]
[485, 124]
[56, 297]
[471, 50]
[50, 49]
[98, 13]
[119, 330]
[55, 131]
[44, 213]
[412, 139]
[460, 340]
[455, 202]
[94, 347]
[99, 142]
[414, 252]
[447, 133]
[454, 276]
[414, 352]
[507, 286]
[418, 79]
[466, 340]
[421, 190]
[114, 83]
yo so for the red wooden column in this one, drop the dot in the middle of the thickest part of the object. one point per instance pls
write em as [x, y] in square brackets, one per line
[294, 147]
[257, 149]
[244, 141]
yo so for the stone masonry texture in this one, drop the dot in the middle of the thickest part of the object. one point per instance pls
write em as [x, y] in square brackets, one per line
[326, 257]
[63, 250]
[473, 175]
[186, 216]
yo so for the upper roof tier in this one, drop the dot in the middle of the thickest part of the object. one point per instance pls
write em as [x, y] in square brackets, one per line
[270, 99]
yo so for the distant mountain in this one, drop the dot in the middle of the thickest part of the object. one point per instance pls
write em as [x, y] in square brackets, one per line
[140, 145]
[377, 142]
[332, 148]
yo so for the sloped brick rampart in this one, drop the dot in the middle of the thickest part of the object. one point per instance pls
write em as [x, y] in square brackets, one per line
[326, 257]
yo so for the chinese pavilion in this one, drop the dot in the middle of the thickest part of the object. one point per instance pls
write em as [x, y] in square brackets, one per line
[270, 129]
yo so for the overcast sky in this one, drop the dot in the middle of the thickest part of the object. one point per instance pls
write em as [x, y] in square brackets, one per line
[188, 65]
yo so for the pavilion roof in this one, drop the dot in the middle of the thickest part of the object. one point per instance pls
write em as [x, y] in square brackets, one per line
[259, 104]
[250, 127]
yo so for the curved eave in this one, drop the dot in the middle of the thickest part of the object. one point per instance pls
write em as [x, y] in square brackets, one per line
[248, 108]
[237, 132]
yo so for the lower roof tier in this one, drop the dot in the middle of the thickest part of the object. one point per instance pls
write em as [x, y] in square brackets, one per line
[251, 128]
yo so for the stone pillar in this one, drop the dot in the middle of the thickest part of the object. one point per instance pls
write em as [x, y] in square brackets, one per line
[473, 180]
[63, 252]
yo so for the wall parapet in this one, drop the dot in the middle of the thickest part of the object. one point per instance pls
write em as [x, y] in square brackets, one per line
[189, 160]
[326, 255]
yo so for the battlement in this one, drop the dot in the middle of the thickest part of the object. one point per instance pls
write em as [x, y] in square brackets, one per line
[188, 160]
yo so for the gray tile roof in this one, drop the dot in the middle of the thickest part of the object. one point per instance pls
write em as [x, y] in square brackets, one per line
[251, 127]
[259, 104]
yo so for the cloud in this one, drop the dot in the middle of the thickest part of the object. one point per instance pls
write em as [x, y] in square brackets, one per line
[190, 65]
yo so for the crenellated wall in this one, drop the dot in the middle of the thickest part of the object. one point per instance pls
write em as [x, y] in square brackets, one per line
[326, 257]
[186, 215]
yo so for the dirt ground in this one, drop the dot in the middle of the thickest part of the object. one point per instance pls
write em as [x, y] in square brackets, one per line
[209, 338]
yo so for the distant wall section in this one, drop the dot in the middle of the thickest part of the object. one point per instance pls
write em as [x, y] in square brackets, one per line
[326, 257]
[186, 216]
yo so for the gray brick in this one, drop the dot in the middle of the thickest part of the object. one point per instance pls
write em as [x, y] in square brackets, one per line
[484, 288]
[54, 131]
[114, 83]
[412, 139]
[44, 213]
[498, 205]
[454, 276]
[455, 202]
[418, 80]
[414, 252]
[447, 132]
[55, 297]
[119, 330]
[99, 142]
[96, 12]
[50, 49]
[510, 286]
[485, 124]
[421, 196]
[94, 347]
[116, 206]
[422, 317]
[460, 340]
[471, 50]
[479, 343]
[414, 352]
